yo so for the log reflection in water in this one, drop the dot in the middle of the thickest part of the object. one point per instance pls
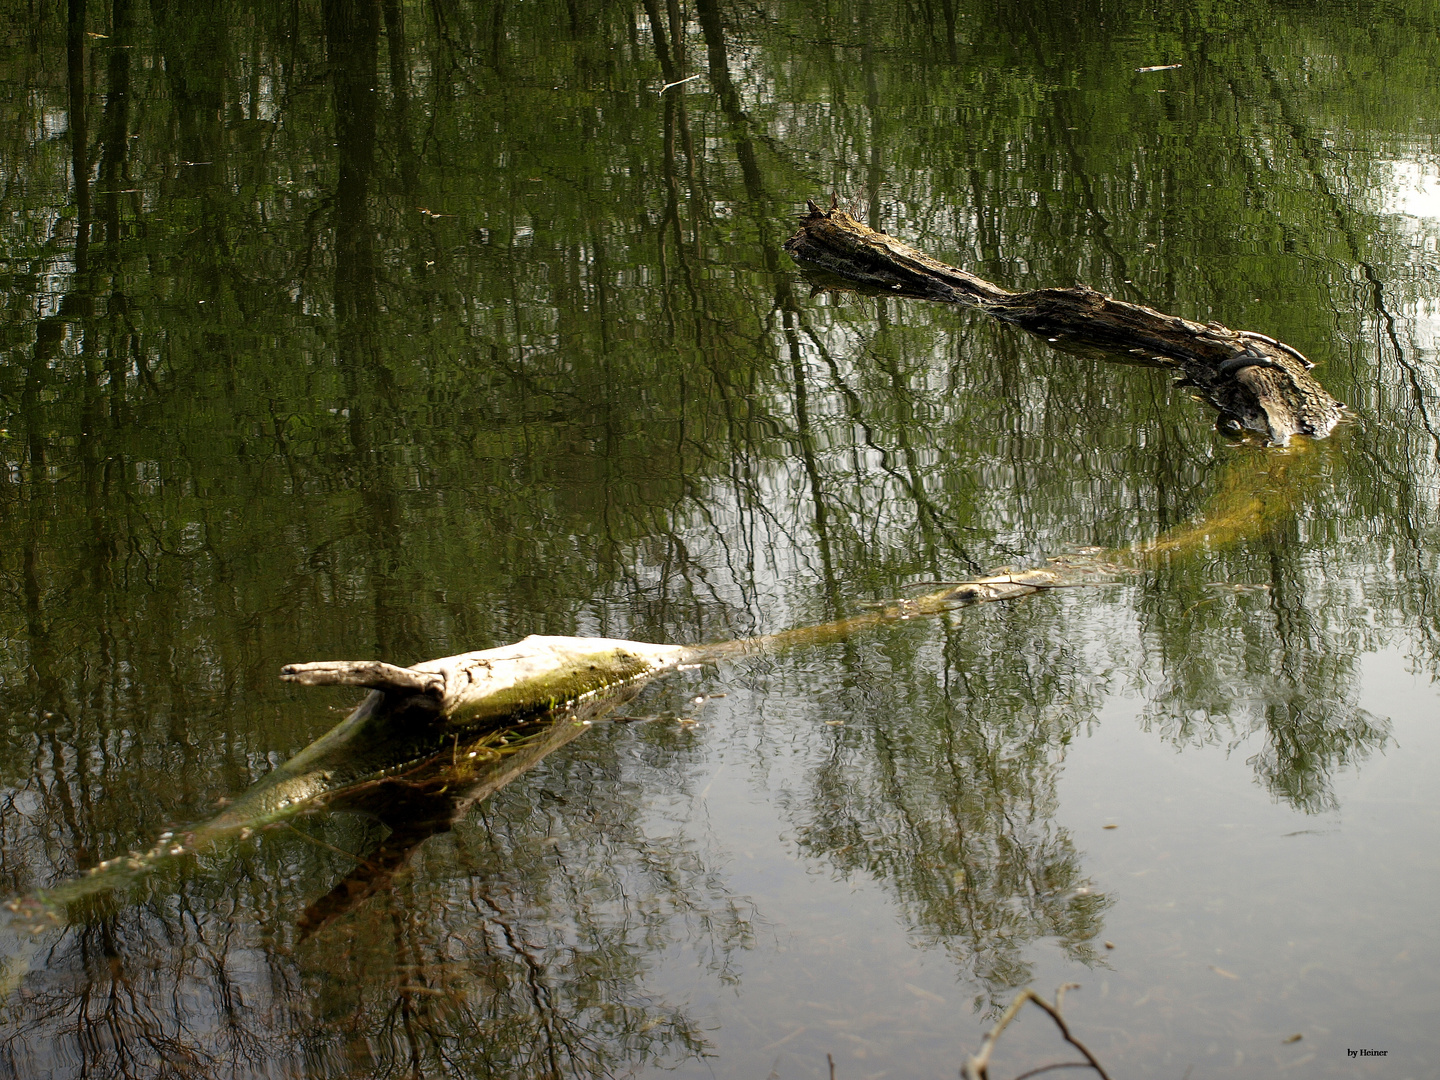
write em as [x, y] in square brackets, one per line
[432, 797]
[506, 953]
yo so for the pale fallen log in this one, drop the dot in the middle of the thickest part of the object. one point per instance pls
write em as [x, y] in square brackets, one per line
[536, 674]
[413, 713]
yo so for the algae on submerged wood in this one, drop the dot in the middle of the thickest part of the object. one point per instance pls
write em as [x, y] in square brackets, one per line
[478, 697]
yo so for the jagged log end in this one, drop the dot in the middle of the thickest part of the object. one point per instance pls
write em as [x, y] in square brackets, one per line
[370, 673]
[1277, 403]
[834, 241]
[833, 236]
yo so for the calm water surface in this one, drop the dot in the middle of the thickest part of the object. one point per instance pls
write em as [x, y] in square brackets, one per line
[401, 328]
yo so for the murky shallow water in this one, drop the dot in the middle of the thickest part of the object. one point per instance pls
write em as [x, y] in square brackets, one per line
[1236, 922]
[397, 330]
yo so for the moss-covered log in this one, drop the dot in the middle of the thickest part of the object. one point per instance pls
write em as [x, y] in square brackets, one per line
[534, 674]
[1257, 384]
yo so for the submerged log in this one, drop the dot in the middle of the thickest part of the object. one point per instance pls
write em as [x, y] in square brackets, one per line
[432, 739]
[462, 725]
[1258, 385]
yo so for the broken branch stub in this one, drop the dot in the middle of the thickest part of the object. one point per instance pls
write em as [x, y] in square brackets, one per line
[1257, 384]
[371, 673]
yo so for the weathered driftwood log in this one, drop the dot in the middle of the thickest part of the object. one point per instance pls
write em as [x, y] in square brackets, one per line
[413, 713]
[534, 674]
[1258, 384]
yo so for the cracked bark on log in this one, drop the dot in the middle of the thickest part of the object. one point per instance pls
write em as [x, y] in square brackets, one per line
[1257, 384]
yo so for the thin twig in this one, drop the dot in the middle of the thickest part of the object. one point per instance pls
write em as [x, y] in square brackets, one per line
[1052, 1068]
[976, 1067]
[330, 847]
[678, 82]
[1065, 1029]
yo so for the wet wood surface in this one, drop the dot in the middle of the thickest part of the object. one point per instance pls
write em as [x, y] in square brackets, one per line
[1257, 384]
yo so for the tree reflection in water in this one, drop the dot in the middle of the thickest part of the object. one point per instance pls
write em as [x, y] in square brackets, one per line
[348, 329]
[953, 808]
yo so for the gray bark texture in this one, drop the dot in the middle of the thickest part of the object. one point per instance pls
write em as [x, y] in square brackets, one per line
[1258, 385]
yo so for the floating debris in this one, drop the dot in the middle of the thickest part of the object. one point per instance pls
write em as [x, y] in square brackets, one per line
[677, 82]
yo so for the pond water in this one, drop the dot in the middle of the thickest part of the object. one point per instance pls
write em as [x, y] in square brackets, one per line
[398, 328]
